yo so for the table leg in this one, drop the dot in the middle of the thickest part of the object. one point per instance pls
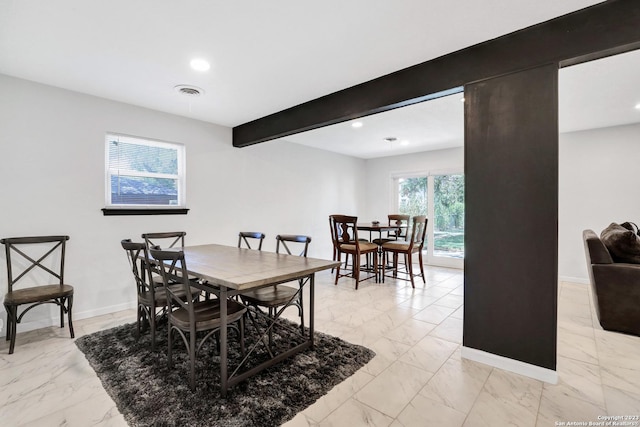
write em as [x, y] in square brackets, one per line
[223, 341]
[311, 306]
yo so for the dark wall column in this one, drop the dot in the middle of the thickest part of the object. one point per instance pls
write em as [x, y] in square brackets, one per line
[511, 229]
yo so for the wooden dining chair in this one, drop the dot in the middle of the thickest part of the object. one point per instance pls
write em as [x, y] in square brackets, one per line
[345, 231]
[152, 299]
[277, 298]
[407, 248]
[191, 318]
[400, 233]
[46, 253]
[246, 236]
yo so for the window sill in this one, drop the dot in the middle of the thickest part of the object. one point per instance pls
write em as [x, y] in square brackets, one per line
[144, 211]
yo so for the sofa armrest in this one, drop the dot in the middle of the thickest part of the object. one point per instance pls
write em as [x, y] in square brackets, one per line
[617, 293]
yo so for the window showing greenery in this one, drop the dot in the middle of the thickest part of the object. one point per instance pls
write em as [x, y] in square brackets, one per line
[448, 195]
[144, 173]
[441, 198]
[412, 194]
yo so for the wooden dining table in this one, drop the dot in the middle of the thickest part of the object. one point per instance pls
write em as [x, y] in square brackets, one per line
[371, 228]
[226, 271]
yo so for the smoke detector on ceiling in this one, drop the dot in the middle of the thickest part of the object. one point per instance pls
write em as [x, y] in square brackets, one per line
[189, 90]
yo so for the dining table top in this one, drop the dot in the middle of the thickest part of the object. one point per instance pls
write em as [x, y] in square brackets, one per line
[368, 226]
[241, 269]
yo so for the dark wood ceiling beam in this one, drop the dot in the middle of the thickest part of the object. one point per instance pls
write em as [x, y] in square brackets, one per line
[604, 29]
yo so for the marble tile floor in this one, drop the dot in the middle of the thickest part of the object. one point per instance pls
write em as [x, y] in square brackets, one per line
[417, 378]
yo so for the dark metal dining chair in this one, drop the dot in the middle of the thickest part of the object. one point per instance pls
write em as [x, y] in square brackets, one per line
[152, 299]
[50, 258]
[166, 240]
[189, 318]
[277, 298]
[247, 236]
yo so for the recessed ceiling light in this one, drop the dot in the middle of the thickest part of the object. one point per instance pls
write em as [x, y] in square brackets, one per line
[200, 64]
[637, 106]
[404, 142]
[356, 124]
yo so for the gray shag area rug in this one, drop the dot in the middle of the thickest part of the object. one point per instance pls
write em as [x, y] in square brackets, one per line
[148, 393]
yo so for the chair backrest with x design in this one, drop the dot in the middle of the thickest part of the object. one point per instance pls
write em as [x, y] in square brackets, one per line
[244, 236]
[291, 242]
[31, 257]
[139, 262]
[166, 240]
[16, 245]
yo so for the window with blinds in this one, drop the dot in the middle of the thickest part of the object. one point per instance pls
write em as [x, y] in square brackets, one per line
[144, 173]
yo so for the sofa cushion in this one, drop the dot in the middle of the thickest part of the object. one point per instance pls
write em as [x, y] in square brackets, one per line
[623, 244]
[631, 226]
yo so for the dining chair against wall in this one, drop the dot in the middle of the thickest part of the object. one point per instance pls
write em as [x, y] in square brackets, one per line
[165, 240]
[400, 233]
[48, 254]
[246, 236]
[152, 299]
[190, 318]
[277, 298]
[345, 230]
[414, 244]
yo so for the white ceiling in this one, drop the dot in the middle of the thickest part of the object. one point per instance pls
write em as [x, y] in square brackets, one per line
[265, 55]
[587, 100]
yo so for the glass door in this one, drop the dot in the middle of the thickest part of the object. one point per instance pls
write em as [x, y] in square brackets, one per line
[448, 220]
[441, 198]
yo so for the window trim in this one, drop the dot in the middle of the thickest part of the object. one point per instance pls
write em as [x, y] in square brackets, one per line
[141, 209]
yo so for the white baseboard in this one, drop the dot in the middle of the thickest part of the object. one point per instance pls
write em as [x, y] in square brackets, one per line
[526, 369]
[55, 320]
[580, 280]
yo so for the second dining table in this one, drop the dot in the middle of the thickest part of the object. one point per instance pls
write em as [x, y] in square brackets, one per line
[227, 270]
[372, 227]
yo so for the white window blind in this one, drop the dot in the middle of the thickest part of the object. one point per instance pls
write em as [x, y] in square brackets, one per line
[144, 173]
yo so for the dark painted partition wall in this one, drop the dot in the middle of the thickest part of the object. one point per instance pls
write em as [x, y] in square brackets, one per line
[511, 223]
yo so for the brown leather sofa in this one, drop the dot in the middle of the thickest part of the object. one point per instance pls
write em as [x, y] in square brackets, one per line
[615, 287]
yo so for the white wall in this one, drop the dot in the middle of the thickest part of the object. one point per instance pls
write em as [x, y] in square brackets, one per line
[52, 175]
[598, 185]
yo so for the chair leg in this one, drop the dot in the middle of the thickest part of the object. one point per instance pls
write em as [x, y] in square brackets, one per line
[375, 264]
[8, 334]
[421, 267]
[12, 313]
[152, 326]
[384, 264]
[61, 301]
[337, 274]
[69, 316]
[170, 346]
[410, 268]
[356, 270]
[242, 349]
[301, 311]
[192, 358]
[395, 265]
